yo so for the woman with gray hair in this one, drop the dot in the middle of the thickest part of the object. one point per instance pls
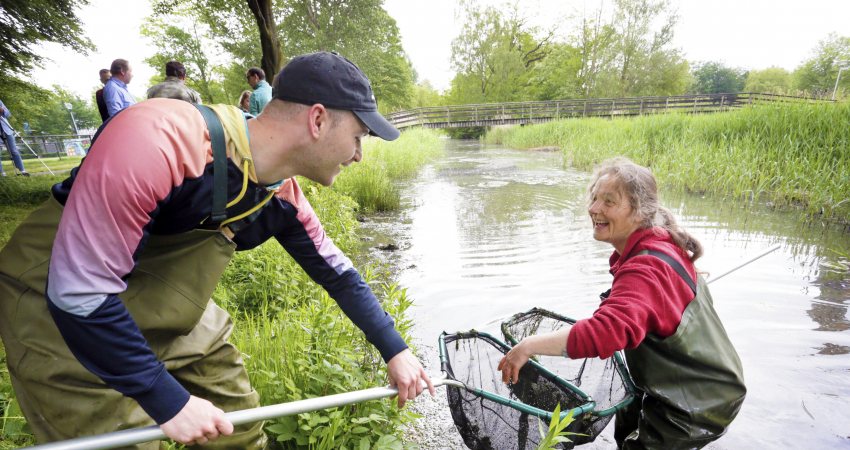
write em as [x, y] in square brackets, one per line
[659, 312]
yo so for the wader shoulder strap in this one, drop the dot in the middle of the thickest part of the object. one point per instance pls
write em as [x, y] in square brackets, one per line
[675, 265]
[219, 207]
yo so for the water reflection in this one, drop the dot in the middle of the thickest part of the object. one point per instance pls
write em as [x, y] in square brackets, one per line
[486, 233]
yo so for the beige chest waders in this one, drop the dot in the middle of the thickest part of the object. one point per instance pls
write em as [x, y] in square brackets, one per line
[168, 296]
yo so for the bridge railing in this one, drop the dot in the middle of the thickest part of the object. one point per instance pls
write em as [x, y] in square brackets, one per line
[542, 111]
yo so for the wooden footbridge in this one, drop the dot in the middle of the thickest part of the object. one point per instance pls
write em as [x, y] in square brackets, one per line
[523, 113]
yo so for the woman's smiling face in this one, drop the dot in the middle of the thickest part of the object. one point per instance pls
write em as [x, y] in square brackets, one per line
[613, 217]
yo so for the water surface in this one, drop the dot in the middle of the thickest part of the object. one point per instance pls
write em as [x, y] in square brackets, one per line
[489, 232]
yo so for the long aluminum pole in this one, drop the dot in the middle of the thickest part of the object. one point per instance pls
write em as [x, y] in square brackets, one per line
[154, 433]
[765, 253]
[33, 151]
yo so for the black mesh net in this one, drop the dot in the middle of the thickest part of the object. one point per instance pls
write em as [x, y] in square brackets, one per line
[606, 381]
[490, 414]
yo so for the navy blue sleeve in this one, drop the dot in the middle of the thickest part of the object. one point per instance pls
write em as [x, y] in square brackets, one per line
[127, 365]
[344, 284]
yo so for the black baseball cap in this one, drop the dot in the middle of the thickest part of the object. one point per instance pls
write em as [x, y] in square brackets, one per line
[335, 82]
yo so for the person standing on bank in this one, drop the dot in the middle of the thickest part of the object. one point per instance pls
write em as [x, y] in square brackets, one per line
[658, 310]
[105, 75]
[7, 135]
[262, 91]
[115, 92]
[132, 267]
[174, 85]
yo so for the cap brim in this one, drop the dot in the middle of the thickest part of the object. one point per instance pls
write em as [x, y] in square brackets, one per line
[378, 125]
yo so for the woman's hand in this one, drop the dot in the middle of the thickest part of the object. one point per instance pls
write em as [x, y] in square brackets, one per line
[513, 361]
[552, 344]
[197, 423]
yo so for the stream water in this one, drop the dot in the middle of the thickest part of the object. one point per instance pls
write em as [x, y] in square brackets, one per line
[486, 232]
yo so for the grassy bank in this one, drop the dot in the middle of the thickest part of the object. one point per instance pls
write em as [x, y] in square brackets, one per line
[295, 340]
[786, 154]
[37, 166]
[371, 182]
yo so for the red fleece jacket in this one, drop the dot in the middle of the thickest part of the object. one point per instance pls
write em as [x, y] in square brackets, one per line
[647, 296]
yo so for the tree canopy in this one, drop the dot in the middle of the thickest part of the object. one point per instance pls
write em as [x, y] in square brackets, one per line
[819, 73]
[715, 78]
[27, 23]
[361, 30]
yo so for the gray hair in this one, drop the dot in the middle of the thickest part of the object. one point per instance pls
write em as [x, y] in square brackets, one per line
[638, 185]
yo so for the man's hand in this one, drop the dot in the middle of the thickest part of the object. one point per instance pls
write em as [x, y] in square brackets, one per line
[407, 374]
[197, 423]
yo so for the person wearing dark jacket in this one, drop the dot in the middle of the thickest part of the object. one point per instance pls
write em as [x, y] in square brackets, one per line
[105, 75]
[659, 312]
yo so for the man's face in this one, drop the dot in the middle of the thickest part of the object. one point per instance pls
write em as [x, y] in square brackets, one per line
[253, 79]
[338, 146]
[104, 77]
[126, 75]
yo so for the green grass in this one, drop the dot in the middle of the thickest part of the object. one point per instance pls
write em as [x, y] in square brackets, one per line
[372, 181]
[35, 166]
[791, 155]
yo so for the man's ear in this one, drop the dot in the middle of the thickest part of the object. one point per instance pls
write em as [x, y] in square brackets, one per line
[318, 120]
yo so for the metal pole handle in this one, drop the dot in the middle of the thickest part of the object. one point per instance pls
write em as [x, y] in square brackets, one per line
[153, 432]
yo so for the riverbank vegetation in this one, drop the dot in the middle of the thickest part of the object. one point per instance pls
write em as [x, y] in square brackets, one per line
[786, 154]
[371, 182]
[296, 342]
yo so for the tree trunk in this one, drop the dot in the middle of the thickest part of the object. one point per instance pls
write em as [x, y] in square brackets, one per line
[269, 42]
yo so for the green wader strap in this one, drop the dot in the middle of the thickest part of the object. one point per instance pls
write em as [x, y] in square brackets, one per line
[675, 265]
[219, 207]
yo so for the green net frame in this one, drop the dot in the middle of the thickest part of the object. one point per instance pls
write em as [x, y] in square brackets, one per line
[606, 381]
[490, 414]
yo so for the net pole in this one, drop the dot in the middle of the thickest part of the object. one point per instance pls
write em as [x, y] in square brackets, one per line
[153, 432]
[33, 151]
[763, 254]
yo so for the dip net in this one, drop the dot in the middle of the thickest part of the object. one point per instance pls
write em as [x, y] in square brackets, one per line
[605, 381]
[490, 414]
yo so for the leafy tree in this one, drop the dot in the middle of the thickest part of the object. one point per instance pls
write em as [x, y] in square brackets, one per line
[184, 44]
[557, 76]
[360, 30]
[817, 74]
[493, 54]
[28, 23]
[594, 42]
[715, 78]
[425, 95]
[773, 80]
[48, 114]
[632, 55]
[238, 26]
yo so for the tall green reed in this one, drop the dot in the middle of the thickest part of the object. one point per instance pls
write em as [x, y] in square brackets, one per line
[371, 182]
[787, 154]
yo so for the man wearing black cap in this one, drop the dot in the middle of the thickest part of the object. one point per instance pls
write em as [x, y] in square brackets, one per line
[132, 266]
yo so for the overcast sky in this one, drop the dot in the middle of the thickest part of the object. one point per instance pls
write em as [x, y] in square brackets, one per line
[751, 34]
